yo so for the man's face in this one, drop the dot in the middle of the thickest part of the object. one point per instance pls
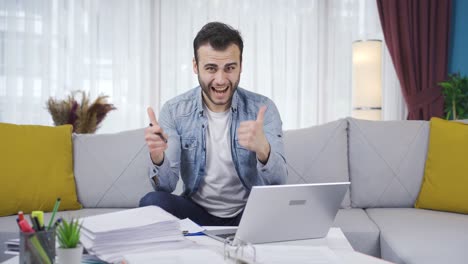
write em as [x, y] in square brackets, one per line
[218, 75]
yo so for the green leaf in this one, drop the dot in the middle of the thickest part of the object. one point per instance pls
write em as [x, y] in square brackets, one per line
[446, 85]
[68, 233]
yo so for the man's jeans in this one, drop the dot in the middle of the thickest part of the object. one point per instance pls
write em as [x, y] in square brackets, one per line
[183, 207]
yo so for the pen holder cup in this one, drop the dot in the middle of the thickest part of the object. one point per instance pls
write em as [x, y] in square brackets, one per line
[38, 247]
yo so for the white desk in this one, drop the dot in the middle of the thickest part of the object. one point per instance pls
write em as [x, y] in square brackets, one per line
[335, 240]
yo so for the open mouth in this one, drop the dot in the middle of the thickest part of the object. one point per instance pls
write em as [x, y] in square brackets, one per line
[220, 90]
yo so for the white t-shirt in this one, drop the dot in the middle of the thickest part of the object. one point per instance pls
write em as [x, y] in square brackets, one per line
[221, 192]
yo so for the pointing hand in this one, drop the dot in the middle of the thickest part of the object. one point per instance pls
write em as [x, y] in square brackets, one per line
[155, 138]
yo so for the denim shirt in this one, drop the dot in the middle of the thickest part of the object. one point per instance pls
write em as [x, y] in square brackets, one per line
[185, 122]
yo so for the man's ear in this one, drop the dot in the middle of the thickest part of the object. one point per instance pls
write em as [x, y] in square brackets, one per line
[195, 66]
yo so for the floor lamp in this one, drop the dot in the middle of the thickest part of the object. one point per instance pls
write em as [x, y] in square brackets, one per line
[367, 79]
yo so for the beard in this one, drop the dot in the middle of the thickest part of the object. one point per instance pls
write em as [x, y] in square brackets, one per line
[210, 93]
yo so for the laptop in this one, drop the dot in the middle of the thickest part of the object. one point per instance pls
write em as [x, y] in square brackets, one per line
[286, 212]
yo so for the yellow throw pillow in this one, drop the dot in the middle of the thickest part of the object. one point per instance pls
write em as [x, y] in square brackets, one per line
[36, 168]
[445, 182]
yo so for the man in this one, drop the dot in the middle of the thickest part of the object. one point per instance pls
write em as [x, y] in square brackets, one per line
[222, 138]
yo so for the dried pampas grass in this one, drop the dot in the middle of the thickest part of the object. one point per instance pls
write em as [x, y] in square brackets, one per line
[84, 117]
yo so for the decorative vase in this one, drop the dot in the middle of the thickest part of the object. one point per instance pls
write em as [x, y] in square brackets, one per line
[69, 255]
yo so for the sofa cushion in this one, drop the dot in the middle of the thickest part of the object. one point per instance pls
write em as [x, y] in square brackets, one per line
[446, 174]
[111, 170]
[386, 162]
[409, 235]
[36, 168]
[360, 230]
[318, 154]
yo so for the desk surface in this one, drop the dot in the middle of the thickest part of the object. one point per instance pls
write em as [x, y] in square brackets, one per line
[335, 240]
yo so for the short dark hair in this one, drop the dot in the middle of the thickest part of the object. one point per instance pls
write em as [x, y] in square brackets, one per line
[219, 36]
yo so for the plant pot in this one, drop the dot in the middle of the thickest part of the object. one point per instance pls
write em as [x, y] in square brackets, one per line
[69, 255]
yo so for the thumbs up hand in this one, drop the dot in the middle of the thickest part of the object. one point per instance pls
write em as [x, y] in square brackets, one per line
[155, 138]
[252, 137]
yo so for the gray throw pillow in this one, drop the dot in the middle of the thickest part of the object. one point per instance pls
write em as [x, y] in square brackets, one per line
[111, 170]
[318, 154]
[386, 162]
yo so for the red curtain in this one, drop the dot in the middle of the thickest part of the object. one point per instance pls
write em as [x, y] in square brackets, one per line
[417, 35]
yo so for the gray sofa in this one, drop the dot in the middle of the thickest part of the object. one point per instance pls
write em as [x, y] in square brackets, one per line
[383, 160]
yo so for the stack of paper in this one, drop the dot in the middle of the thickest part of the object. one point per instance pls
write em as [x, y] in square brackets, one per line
[110, 236]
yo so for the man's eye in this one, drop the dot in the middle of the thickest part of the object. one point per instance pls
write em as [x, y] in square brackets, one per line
[230, 68]
[210, 69]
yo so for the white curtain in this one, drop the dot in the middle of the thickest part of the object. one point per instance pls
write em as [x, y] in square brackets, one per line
[298, 53]
[139, 53]
[52, 47]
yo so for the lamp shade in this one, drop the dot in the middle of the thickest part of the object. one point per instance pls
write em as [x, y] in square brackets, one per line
[367, 79]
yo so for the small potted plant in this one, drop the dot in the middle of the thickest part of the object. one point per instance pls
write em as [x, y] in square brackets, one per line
[68, 235]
